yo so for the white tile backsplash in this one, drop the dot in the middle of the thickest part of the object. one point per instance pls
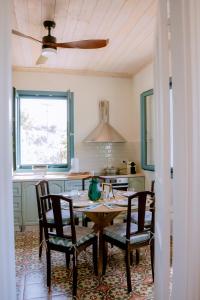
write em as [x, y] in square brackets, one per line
[97, 156]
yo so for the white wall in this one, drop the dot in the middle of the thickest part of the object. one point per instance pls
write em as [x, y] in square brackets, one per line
[88, 90]
[141, 82]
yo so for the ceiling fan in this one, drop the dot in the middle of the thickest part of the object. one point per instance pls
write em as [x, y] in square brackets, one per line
[49, 44]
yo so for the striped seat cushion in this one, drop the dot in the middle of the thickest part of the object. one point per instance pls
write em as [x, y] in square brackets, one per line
[118, 232]
[65, 216]
[147, 220]
[83, 234]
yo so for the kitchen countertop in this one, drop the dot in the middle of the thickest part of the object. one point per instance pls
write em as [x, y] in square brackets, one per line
[55, 176]
[123, 176]
[65, 176]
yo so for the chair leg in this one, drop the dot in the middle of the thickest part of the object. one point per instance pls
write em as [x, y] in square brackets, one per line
[152, 257]
[48, 254]
[84, 223]
[74, 288]
[128, 272]
[40, 240]
[76, 221]
[105, 254]
[67, 256]
[137, 255]
[95, 257]
[131, 258]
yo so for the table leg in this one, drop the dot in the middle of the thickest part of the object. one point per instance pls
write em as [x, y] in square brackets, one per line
[100, 264]
[101, 220]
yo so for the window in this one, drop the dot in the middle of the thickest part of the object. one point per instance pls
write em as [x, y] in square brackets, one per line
[43, 130]
[147, 129]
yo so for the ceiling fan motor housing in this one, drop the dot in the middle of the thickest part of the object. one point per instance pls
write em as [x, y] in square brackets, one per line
[48, 39]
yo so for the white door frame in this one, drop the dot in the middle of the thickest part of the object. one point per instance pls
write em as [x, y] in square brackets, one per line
[162, 156]
[185, 28]
[7, 259]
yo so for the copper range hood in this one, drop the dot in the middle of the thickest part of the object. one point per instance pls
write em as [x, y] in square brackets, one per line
[104, 132]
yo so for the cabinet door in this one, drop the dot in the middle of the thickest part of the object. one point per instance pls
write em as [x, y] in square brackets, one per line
[17, 191]
[29, 204]
[73, 185]
[17, 206]
[17, 203]
[56, 186]
[138, 183]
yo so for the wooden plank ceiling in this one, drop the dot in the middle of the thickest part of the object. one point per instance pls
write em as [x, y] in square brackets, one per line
[128, 24]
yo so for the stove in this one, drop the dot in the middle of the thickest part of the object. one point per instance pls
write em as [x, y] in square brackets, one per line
[119, 183]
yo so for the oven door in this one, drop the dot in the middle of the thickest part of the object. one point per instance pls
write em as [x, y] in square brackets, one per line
[120, 183]
[120, 187]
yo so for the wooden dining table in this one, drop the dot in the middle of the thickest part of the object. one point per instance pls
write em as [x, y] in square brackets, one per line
[102, 213]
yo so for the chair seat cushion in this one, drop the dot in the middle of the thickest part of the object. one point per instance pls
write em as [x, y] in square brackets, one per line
[147, 220]
[118, 232]
[83, 234]
[65, 216]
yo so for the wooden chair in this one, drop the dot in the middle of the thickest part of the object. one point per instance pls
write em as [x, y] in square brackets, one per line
[148, 213]
[71, 239]
[85, 219]
[42, 189]
[129, 236]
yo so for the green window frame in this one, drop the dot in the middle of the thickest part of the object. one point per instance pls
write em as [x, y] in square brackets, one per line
[144, 145]
[143, 103]
[17, 95]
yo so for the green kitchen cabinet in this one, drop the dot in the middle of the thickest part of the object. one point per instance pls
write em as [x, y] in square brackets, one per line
[25, 202]
[29, 203]
[17, 204]
[137, 183]
[56, 186]
[73, 185]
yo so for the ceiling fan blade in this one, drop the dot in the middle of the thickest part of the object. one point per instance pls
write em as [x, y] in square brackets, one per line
[41, 60]
[84, 44]
[25, 36]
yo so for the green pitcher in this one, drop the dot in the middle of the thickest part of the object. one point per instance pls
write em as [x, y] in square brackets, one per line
[94, 192]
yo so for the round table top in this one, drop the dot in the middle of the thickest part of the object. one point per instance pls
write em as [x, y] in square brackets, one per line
[81, 202]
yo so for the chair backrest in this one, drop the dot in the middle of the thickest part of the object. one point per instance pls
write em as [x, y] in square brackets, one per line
[101, 179]
[42, 189]
[152, 207]
[152, 186]
[142, 203]
[57, 202]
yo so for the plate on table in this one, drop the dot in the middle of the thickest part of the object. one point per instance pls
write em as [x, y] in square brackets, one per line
[129, 193]
[125, 203]
[121, 202]
[80, 204]
[66, 194]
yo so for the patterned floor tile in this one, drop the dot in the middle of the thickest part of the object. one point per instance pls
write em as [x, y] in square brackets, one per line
[31, 275]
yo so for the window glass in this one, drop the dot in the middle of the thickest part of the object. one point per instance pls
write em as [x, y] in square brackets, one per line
[43, 131]
[150, 129]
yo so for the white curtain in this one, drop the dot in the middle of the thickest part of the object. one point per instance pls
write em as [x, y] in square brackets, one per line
[185, 46]
[162, 157]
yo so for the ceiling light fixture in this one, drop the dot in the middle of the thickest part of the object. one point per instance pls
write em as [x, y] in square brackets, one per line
[49, 52]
